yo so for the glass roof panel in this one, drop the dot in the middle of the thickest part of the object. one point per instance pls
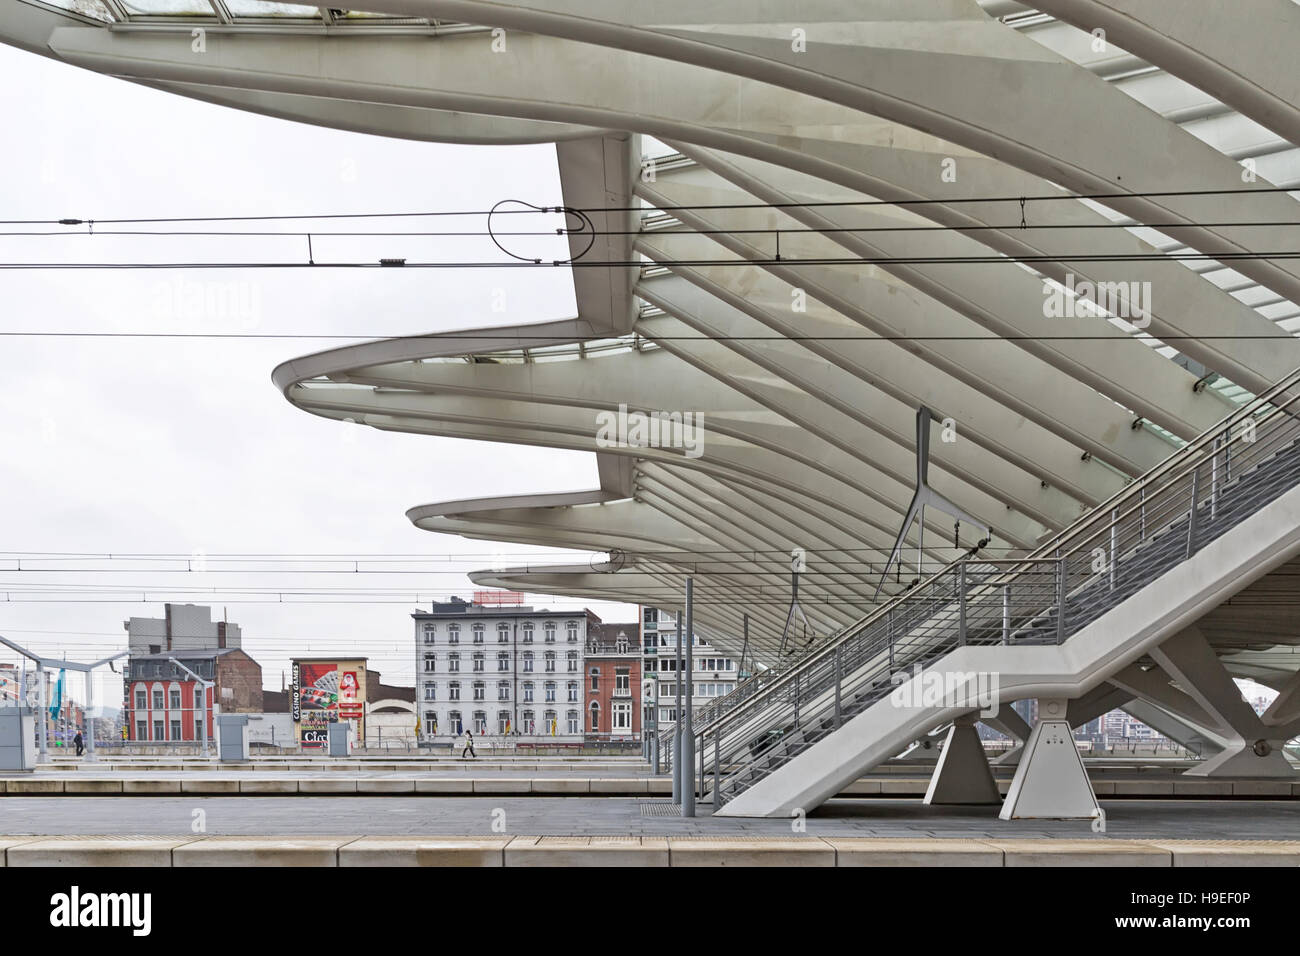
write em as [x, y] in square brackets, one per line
[169, 8]
[255, 8]
[87, 8]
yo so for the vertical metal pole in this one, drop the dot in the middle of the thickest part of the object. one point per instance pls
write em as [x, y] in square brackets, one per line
[677, 716]
[203, 720]
[717, 765]
[688, 730]
[1214, 478]
[1113, 533]
[1191, 515]
[839, 676]
[1142, 515]
[1006, 613]
[961, 604]
[40, 718]
[1060, 600]
[90, 725]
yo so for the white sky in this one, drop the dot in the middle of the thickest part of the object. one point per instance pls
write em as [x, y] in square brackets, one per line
[177, 446]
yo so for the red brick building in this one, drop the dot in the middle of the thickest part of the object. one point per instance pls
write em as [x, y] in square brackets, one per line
[612, 683]
[164, 704]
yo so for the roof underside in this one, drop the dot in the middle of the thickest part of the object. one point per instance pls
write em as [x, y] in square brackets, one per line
[719, 128]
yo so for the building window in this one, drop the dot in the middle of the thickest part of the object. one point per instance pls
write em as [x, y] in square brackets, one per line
[573, 661]
[453, 722]
[141, 700]
[503, 633]
[503, 690]
[622, 680]
[622, 716]
[198, 729]
[157, 700]
[430, 664]
[480, 722]
[548, 724]
[453, 690]
[550, 691]
[528, 691]
[428, 633]
[430, 691]
[480, 690]
[595, 717]
[453, 662]
[174, 698]
[527, 633]
[142, 730]
[478, 633]
[453, 633]
[621, 644]
[430, 722]
[527, 723]
[549, 628]
[503, 721]
[528, 661]
[478, 662]
[573, 722]
[158, 733]
[550, 662]
[503, 660]
[198, 698]
[573, 691]
[595, 678]
[572, 628]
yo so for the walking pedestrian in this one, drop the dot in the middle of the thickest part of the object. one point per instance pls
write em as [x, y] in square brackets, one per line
[79, 743]
[469, 745]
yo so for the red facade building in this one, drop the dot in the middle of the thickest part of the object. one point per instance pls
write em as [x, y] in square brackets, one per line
[612, 683]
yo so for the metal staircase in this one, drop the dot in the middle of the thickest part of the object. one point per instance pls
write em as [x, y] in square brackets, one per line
[1106, 556]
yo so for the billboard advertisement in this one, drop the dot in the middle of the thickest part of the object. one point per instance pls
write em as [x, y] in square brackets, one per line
[325, 692]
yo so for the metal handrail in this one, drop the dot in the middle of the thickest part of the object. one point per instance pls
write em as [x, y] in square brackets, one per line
[1137, 507]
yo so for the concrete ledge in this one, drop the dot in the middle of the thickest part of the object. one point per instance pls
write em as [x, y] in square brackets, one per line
[503, 785]
[558, 785]
[7, 842]
[1261, 788]
[92, 786]
[659, 786]
[268, 786]
[1232, 852]
[95, 851]
[425, 851]
[1144, 788]
[1096, 852]
[151, 786]
[861, 788]
[903, 788]
[210, 786]
[750, 851]
[327, 786]
[261, 851]
[33, 786]
[587, 851]
[638, 786]
[444, 786]
[884, 851]
[1203, 788]
[386, 786]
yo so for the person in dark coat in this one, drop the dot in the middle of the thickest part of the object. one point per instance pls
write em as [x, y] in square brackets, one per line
[79, 744]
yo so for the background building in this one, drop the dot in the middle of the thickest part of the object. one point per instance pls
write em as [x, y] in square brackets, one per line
[714, 675]
[613, 683]
[183, 627]
[163, 703]
[501, 669]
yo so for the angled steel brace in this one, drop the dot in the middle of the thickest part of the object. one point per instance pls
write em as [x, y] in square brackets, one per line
[798, 563]
[924, 495]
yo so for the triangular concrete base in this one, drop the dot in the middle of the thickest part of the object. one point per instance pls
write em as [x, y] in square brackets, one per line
[962, 775]
[1242, 761]
[1050, 782]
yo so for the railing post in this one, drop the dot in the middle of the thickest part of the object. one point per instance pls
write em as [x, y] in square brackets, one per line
[961, 604]
[1060, 600]
[1114, 548]
[1142, 515]
[1006, 613]
[838, 677]
[1191, 516]
[1214, 478]
[889, 632]
[717, 765]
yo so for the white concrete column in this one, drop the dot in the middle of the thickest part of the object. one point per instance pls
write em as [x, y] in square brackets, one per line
[962, 775]
[1050, 782]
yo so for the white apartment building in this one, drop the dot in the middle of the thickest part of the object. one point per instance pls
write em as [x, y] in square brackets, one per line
[714, 673]
[513, 673]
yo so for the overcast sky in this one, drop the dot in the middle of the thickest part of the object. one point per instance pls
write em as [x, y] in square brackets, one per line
[183, 445]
